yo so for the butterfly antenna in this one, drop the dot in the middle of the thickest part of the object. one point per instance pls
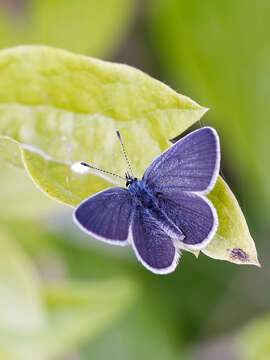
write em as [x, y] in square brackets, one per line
[125, 153]
[101, 170]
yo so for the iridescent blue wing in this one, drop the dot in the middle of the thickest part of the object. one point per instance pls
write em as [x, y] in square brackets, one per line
[191, 164]
[194, 215]
[106, 215]
[152, 244]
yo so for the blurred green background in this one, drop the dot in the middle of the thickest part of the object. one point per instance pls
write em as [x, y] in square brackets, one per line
[104, 305]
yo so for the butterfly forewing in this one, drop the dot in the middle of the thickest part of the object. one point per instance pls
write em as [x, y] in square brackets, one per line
[191, 164]
[106, 215]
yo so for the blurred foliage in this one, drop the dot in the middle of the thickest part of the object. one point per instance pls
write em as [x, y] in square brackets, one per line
[166, 314]
[48, 319]
[83, 290]
[19, 288]
[219, 51]
[253, 342]
[89, 27]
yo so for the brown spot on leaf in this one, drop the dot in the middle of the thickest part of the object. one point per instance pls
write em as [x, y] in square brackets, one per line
[240, 255]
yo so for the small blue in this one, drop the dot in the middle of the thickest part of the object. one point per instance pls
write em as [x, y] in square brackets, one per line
[167, 210]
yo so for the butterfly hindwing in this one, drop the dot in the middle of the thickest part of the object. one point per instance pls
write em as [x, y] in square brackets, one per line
[191, 164]
[106, 215]
[194, 215]
[152, 244]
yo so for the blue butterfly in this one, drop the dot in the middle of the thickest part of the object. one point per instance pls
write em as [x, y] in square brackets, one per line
[167, 210]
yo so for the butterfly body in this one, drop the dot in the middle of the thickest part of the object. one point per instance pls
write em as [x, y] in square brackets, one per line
[144, 199]
[167, 210]
[142, 194]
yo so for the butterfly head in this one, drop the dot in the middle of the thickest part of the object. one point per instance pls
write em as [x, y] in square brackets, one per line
[130, 179]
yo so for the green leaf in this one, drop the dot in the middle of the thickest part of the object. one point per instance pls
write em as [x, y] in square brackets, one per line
[20, 289]
[19, 199]
[69, 110]
[10, 152]
[232, 241]
[253, 341]
[67, 107]
[92, 27]
[76, 313]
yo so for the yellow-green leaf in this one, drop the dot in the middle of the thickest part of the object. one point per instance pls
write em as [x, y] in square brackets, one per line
[62, 108]
[232, 241]
[18, 197]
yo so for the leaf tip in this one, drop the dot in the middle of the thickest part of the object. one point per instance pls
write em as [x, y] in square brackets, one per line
[205, 110]
[196, 253]
[257, 263]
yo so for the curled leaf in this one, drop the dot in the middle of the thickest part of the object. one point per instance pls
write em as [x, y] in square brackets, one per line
[19, 198]
[66, 108]
[232, 241]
